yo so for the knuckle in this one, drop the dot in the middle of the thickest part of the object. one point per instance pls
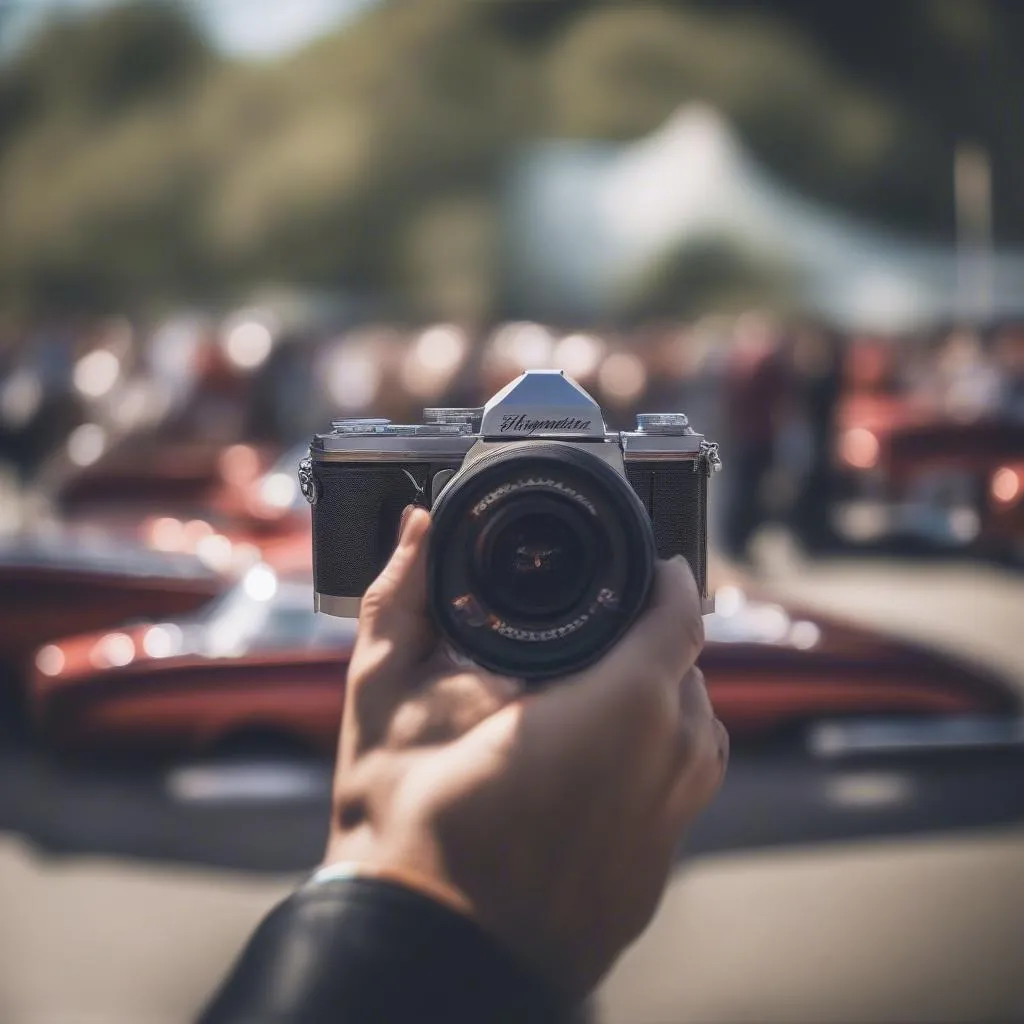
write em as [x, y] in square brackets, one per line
[695, 629]
[710, 761]
[373, 602]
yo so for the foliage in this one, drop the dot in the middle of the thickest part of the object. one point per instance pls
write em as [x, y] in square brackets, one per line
[709, 274]
[138, 167]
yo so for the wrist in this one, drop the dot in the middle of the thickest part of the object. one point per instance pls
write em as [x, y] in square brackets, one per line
[333, 870]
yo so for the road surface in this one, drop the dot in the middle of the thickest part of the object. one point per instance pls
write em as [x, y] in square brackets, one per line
[930, 926]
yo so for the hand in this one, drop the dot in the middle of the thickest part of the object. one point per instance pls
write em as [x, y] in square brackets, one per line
[552, 818]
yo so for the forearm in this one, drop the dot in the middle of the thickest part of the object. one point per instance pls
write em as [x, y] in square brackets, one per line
[359, 950]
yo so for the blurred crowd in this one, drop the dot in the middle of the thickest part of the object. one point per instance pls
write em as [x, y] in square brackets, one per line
[781, 397]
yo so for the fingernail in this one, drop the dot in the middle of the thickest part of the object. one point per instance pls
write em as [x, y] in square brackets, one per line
[406, 512]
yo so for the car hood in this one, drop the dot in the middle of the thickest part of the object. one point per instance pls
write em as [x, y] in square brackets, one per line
[768, 665]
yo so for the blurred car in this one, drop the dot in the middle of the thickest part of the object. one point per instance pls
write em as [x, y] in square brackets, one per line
[254, 668]
[224, 506]
[257, 666]
[146, 473]
[265, 517]
[950, 483]
[69, 581]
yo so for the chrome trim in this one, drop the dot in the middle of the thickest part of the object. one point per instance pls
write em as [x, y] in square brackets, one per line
[361, 426]
[839, 739]
[342, 607]
[378, 453]
[470, 416]
[665, 423]
[639, 445]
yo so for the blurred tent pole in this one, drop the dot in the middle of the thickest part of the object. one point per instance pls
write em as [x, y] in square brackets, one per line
[972, 182]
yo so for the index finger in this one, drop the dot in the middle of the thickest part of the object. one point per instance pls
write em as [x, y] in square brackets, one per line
[635, 688]
[667, 638]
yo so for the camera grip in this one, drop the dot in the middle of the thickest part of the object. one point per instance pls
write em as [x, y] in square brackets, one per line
[676, 500]
[355, 521]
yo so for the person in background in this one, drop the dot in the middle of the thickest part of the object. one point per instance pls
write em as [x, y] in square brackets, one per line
[1008, 357]
[817, 362]
[758, 400]
[492, 849]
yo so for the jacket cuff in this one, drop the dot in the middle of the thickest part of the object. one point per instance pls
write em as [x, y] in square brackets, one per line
[361, 949]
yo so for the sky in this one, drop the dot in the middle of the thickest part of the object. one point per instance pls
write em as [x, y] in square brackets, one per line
[244, 28]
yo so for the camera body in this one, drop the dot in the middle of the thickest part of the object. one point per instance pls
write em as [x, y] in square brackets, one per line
[574, 498]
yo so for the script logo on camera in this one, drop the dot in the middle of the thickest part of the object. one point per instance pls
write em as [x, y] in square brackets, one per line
[518, 423]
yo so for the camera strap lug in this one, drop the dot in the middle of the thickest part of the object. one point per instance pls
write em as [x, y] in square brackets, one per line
[709, 458]
[307, 481]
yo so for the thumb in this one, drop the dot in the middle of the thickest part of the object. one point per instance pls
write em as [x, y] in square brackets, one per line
[394, 621]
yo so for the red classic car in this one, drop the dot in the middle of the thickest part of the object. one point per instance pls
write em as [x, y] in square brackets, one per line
[948, 482]
[265, 518]
[258, 667]
[251, 513]
[146, 472]
[53, 583]
[932, 462]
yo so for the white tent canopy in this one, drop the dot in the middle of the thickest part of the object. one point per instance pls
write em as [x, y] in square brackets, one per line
[585, 219]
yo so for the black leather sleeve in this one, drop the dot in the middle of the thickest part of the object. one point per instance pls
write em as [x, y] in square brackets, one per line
[366, 951]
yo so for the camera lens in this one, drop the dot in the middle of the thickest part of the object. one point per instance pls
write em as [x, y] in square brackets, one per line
[541, 556]
[535, 559]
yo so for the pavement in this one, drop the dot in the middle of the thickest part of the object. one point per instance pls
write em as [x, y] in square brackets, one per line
[889, 928]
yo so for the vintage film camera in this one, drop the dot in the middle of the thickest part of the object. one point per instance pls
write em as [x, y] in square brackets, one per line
[545, 524]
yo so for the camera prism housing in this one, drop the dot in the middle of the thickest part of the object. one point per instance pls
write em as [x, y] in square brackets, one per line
[546, 525]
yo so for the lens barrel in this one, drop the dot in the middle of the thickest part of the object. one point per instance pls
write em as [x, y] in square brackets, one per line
[541, 557]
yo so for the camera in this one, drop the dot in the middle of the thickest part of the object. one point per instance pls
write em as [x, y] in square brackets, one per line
[545, 524]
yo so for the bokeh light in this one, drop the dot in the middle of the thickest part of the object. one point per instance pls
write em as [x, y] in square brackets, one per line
[353, 377]
[527, 346]
[86, 444]
[1006, 485]
[431, 362]
[260, 583]
[278, 490]
[247, 340]
[215, 551]
[96, 373]
[20, 397]
[193, 532]
[167, 534]
[115, 650]
[162, 641]
[50, 660]
[579, 355]
[859, 448]
[239, 464]
[622, 377]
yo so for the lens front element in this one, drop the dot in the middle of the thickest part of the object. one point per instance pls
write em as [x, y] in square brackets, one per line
[536, 558]
[541, 556]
